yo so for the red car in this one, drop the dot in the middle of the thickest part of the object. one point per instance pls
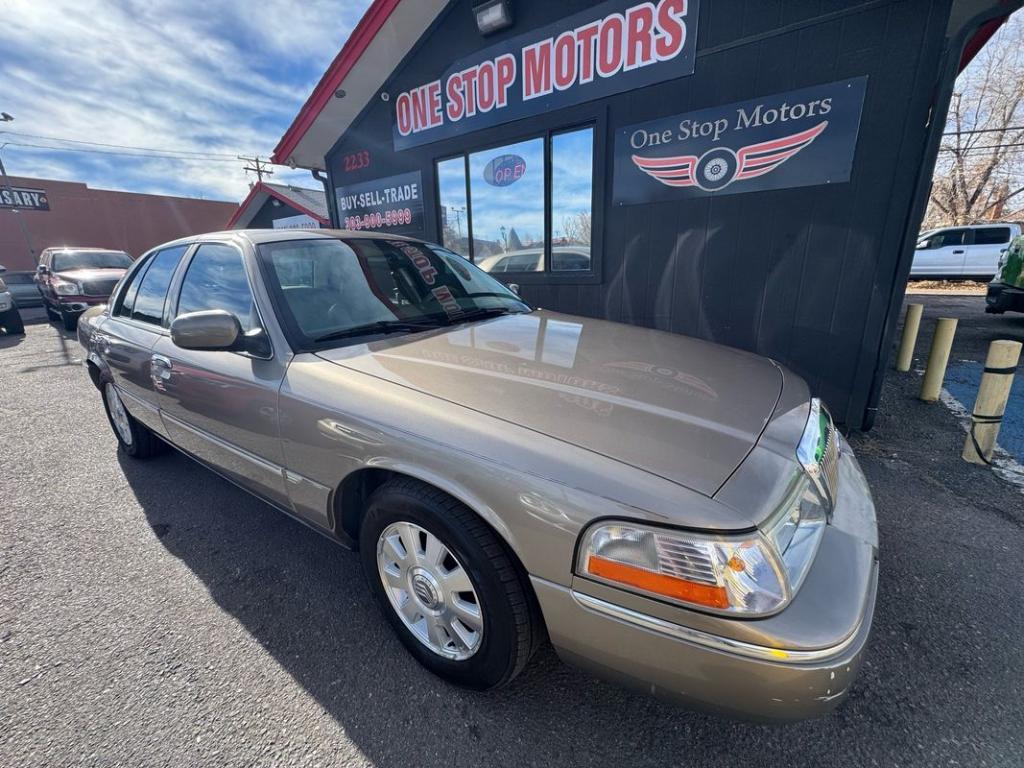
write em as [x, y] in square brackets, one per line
[73, 279]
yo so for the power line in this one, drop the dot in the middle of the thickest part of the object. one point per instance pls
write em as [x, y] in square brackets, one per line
[122, 146]
[985, 130]
[119, 154]
[976, 149]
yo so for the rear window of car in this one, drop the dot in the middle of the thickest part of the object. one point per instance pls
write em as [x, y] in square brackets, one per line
[992, 236]
[65, 260]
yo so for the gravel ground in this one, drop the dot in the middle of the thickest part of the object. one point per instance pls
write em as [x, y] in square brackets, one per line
[152, 614]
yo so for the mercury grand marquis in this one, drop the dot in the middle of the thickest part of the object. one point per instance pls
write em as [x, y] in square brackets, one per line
[669, 512]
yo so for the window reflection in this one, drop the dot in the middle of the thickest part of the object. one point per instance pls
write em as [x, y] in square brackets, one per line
[507, 197]
[451, 183]
[572, 194]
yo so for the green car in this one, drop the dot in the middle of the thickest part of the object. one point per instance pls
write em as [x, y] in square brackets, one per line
[1006, 291]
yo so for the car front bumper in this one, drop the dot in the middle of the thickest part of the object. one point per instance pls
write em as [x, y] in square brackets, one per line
[1004, 298]
[78, 304]
[6, 302]
[764, 672]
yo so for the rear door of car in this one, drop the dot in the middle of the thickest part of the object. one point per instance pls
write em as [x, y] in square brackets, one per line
[988, 244]
[941, 254]
[221, 406]
[137, 321]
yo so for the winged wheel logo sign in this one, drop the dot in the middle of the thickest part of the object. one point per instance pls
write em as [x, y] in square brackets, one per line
[719, 167]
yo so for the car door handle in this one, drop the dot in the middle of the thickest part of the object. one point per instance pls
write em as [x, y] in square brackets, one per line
[160, 367]
[957, 252]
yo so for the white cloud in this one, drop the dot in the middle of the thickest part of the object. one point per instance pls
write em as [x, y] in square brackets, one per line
[223, 77]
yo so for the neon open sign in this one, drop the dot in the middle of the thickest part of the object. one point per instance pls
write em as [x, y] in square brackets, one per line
[504, 170]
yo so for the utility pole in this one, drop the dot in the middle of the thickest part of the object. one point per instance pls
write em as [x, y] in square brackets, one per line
[259, 167]
[6, 118]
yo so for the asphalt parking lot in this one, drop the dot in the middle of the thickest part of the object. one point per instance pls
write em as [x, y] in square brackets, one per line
[152, 614]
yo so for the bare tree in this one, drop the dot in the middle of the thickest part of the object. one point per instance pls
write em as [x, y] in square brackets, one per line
[577, 228]
[980, 169]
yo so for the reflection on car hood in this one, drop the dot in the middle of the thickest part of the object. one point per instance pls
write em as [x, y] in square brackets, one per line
[684, 409]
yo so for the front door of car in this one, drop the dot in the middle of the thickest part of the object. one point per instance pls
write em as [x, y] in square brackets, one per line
[221, 406]
[137, 320]
[941, 254]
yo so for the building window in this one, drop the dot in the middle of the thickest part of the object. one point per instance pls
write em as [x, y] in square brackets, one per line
[522, 207]
[451, 194]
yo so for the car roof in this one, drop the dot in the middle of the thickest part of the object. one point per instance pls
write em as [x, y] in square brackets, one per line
[260, 236]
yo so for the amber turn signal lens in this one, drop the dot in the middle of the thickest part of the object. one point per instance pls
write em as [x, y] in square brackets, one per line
[670, 586]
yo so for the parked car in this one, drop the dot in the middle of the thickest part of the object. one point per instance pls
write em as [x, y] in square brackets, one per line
[1006, 291]
[71, 280]
[22, 286]
[10, 317]
[563, 259]
[962, 252]
[666, 510]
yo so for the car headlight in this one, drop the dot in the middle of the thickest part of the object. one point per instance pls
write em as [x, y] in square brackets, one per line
[67, 288]
[750, 574]
[3, 286]
[738, 575]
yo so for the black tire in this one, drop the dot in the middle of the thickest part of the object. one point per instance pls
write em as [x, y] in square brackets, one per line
[143, 445]
[12, 323]
[70, 322]
[512, 627]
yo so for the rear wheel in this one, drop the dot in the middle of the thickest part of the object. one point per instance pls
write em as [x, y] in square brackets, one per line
[447, 585]
[133, 438]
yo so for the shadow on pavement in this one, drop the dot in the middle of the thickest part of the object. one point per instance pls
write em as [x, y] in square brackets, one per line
[304, 599]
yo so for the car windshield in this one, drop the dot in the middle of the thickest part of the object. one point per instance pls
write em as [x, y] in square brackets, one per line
[65, 260]
[332, 290]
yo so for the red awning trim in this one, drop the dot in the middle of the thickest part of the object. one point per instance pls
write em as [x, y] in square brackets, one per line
[363, 34]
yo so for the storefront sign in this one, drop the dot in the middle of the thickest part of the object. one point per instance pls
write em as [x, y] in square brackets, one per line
[504, 170]
[24, 199]
[613, 47]
[301, 221]
[394, 204]
[793, 139]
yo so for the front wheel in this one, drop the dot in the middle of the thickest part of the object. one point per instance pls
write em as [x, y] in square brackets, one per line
[448, 586]
[133, 439]
[11, 322]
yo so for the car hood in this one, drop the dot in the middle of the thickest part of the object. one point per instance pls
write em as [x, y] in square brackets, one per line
[683, 409]
[86, 274]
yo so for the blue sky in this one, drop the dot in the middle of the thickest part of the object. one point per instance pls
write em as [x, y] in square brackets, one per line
[220, 76]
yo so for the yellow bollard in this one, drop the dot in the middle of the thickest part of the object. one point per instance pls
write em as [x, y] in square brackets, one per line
[993, 394]
[911, 325]
[938, 359]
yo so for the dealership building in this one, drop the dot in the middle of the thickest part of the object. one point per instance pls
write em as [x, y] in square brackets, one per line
[40, 213]
[750, 172]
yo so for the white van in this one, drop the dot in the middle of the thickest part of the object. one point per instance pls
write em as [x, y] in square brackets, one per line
[969, 251]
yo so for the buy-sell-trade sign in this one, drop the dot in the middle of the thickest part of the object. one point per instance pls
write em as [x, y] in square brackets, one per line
[795, 139]
[615, 46]
[24, 199]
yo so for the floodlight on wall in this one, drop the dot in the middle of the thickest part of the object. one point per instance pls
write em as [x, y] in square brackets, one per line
[493, 15]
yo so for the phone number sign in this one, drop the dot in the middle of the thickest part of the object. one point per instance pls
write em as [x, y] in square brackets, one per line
[392, 204]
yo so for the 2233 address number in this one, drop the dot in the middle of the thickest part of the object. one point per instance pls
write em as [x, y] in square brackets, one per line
[356, 161]
[377, 220]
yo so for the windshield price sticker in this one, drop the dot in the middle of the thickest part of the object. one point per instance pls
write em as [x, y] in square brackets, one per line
[442, 293]
[393, 204]
[616, 46]
[795, 139]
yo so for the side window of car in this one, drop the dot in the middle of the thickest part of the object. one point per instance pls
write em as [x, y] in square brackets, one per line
[148, 304]
[991, 235]
[953, 237]
[216, 279]
[126, 301]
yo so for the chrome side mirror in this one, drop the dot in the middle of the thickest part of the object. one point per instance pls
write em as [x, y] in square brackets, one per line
[514, 287]
[209, 329]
